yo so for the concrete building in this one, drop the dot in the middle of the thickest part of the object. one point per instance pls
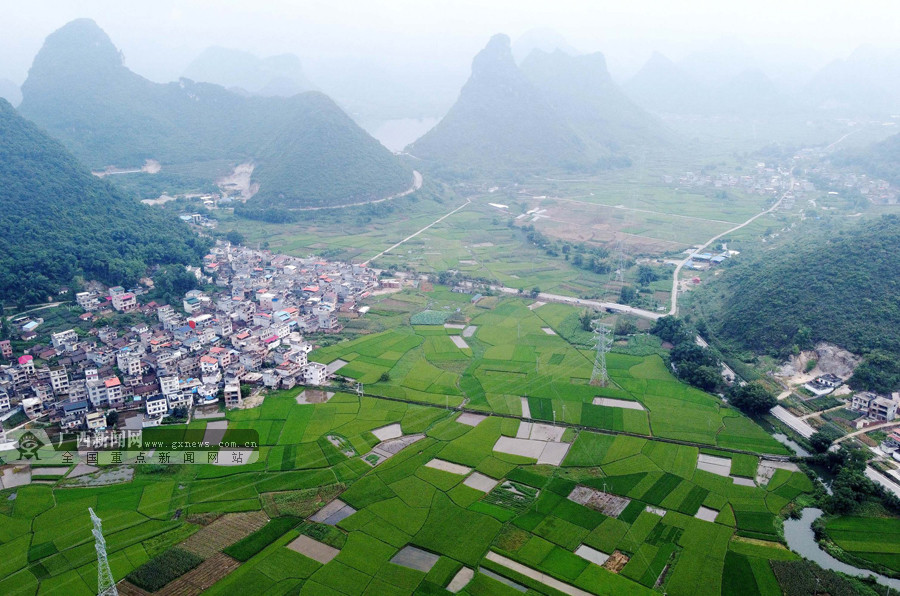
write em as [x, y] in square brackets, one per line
[157, 406]
[233, 397]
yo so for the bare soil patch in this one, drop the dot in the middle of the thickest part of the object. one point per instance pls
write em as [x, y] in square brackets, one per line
[223, 532]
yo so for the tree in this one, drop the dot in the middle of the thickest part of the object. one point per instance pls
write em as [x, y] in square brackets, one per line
[585, 320]
[879, 372]
[234, 237]
[627, 294]
[385, 377]
[820, 442]
[753, 399]
[625, 327]
[112, 419]
[646, 274]
[672, 330]
[535, 291]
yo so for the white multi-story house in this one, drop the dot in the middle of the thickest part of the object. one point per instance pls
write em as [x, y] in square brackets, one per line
[115, 395]
[65, 340]
[126, 302]
[315, 373]
[59, 379]
[157, 406]
[129, 362]
[169, 385]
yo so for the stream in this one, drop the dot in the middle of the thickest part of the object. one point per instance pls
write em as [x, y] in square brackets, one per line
[801, 540]
[795, 447]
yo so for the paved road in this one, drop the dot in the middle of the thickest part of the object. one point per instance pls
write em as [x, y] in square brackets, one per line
[868, 429]
[674, 309]
[437, 221]
[876, 476]
[48, 305]
[614, 306]
[416, 185]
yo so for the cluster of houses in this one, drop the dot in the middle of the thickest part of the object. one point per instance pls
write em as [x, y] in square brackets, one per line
[701, 261]
[764, 180]
[250, 331]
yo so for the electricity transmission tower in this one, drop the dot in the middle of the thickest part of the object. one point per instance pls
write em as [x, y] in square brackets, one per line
[106, 585]
[618, 273]
[603, 341]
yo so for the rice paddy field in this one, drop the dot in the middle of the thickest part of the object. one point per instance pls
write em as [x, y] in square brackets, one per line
[512, 366]
[874, 540]
[493, 500]
[477, 508]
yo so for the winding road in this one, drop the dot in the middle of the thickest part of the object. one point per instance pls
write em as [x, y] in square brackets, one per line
[674, 309]
[416, 185]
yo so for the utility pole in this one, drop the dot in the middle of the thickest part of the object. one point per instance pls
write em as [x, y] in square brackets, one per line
[106, 585]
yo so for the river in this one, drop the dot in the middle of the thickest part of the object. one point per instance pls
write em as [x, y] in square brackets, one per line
[801, 540]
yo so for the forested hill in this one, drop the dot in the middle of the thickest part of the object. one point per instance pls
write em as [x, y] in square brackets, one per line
[307, 151]
[881, 160]
[60, 222]
[503, 122]
[841, 288]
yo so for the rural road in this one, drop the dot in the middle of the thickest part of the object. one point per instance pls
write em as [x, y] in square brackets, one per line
[674, 309]
[416, 185]
[42, 307]
[614, 306]
[437, 221]
[868, 429]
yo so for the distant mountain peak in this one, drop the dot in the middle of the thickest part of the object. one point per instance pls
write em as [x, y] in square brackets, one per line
[556, 111]
[81, 41]
[495, 58]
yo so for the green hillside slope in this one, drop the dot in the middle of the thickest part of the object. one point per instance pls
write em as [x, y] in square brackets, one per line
[61, 222]
[841, 288]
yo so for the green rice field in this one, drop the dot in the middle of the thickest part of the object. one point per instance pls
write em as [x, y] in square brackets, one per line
[527, 517]
[511, 360]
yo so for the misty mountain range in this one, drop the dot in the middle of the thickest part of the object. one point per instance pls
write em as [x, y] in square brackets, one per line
[242, 72]
[307, 151]
[553, 110]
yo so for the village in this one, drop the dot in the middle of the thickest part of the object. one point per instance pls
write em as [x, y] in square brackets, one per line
[214, 347]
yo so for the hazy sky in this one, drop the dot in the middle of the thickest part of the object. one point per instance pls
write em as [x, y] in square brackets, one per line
[160, 37]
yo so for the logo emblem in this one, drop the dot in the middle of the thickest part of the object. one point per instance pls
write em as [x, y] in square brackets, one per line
[29, 445]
